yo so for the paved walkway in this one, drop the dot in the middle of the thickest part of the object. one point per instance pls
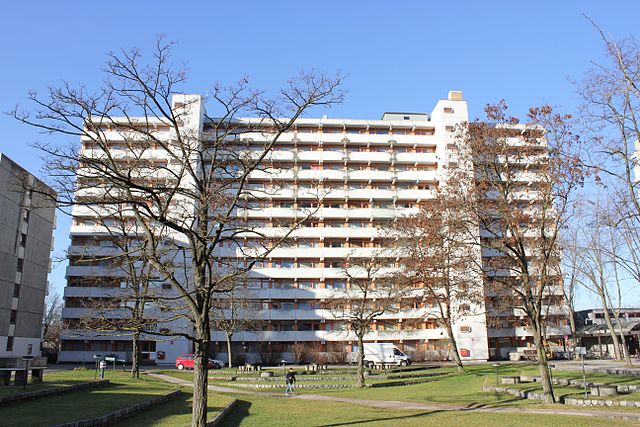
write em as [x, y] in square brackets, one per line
[597, 366]
[397, 404]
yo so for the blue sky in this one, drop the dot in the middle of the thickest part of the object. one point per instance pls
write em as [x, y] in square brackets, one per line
[398, 56]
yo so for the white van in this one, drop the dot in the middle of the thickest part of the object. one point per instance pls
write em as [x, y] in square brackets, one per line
[379, 353]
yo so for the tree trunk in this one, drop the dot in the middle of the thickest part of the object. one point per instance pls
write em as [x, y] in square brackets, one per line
[229, 349]
[607, 320]
[200, 379]
[135, 356]
[360, 361]
[454, 346]
[543, 364]
[623, 340]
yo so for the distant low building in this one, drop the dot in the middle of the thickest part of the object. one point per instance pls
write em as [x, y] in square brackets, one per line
[594, 334]
[27, 220]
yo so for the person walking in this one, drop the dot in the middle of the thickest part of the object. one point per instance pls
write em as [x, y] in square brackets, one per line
[290, 380]
[103, 366]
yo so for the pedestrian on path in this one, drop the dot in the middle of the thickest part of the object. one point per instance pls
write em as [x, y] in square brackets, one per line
[290, 380]
[103, 366]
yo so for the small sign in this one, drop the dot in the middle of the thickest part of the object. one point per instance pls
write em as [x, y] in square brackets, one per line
[581, 350]
[110, 359]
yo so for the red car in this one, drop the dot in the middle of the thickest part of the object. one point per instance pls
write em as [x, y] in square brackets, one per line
[186, 361]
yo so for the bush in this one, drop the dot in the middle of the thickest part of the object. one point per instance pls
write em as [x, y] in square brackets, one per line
[417, 355]
[300, 352]
[340, 357]
[321, 358]
[270, 357]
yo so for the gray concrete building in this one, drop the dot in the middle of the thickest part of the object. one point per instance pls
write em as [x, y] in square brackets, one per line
[27, 220]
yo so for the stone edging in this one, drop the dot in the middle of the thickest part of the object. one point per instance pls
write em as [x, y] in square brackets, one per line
[17, 398]
[561, 399]
[297, 385]
[219, 419]
[622, 388]
[121, 414]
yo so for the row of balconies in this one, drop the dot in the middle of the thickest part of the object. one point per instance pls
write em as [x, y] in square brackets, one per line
[423, 334]
[363, 213]
[266, 315]
[339, 138]
[339, 156]
[356, 175]
[523, 331]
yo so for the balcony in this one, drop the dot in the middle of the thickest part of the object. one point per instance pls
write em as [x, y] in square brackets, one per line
[317, 175]
[77, 270]
[412, 158]
[374, 157]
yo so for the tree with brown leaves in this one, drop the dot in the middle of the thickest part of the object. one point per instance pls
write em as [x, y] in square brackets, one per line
[525, 178]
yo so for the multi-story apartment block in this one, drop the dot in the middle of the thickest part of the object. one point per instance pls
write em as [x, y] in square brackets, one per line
[355, 176]
[27, 220]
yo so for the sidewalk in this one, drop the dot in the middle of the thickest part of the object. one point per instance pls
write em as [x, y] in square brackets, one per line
[397, 404]
[601, 366]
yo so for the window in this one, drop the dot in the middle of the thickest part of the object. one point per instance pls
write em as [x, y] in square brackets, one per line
[16, 290]
[25, 215]
[336, 284]
[20, 265]
[29, 348]
[9, 344]
[23, 239]
[307, 284]
[13, 316]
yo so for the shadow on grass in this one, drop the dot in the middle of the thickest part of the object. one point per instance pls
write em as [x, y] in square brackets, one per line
[240, 412]
[371, 420]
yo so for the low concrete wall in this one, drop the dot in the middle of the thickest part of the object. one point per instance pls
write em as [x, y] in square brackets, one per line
[16, 398]
[121, 414]
[219, 419]
[565, 400]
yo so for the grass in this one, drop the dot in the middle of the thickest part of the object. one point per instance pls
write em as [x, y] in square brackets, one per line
[282, 412]
[123, 391]
[176, 412]
[267, 410]
[52, 380]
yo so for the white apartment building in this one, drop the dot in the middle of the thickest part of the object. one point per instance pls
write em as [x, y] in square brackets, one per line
[356, 176]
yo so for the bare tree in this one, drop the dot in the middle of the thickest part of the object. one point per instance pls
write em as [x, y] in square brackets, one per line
[610, 110]
[594, 252]
[520, 197]
[571, 268]
[179, 173]
[370, 293]
[51, 323]
[121, 247]
[439, 258]
[235, 311]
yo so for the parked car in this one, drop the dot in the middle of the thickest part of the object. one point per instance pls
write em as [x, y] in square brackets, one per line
[186, 361]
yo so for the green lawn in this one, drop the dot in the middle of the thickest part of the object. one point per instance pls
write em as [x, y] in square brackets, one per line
[51, 380]
[123, 391]
[176, 412]
[266, 411]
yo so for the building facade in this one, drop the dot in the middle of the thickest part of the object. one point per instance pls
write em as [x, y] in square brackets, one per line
[355, 176]
[27, 220]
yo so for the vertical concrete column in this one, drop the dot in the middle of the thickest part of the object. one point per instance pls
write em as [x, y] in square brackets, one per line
[21, 376]
[36, 376]
[5, 377]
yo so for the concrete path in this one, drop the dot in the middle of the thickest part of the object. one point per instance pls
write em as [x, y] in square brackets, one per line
[397, 404]
[602, 366]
